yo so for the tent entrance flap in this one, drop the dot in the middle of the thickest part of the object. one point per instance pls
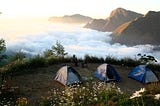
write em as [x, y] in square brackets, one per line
[150, 77]
[72, 78]
[106, 72]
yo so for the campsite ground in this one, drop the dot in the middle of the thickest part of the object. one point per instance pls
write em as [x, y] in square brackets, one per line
[38, 84]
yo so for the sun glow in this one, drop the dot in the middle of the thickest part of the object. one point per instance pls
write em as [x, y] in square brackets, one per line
[93, 8]
[25, 8]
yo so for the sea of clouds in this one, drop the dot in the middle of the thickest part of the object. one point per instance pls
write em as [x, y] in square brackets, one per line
[76, 40]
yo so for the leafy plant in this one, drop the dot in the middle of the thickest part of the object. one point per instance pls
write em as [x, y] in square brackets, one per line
[18, 56]
[146, 59]
[48, 53]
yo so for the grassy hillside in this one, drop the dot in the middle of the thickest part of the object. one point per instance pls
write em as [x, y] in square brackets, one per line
[31, 80]
[36, 85]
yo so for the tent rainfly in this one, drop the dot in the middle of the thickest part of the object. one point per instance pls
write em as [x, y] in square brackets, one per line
[143, 74]
[67, 76]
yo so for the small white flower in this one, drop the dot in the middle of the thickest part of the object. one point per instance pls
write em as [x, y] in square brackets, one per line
[157, 96]
[142, 90]
[95, 99]
[138, 93]
[134, 96]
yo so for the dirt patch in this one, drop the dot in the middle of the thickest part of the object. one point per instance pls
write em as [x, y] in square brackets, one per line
[38, 84]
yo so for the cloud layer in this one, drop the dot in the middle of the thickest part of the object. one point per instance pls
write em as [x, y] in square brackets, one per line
[77, 41]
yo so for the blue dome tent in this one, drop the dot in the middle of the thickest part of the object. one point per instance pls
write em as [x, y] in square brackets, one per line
[143, 74]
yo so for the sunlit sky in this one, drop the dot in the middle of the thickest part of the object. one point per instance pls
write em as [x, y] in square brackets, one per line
[93, 8]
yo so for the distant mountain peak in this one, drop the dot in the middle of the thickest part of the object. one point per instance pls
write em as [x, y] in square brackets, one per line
[118, 11]
[122, 11]
[74, 19]
[117, 17]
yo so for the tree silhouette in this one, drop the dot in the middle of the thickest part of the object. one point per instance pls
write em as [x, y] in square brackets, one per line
[146, 59]
[2, 49]
[58, 50]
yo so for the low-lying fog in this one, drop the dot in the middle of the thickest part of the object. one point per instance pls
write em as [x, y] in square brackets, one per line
[34, 37]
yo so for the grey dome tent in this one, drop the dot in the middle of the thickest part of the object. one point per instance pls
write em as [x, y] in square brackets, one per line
[67, 76]
[106, 72]
[143, 74]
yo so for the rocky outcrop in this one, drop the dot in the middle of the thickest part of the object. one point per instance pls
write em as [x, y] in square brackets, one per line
[96, 24]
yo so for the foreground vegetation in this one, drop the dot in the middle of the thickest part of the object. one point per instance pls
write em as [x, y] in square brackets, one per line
[101, 94]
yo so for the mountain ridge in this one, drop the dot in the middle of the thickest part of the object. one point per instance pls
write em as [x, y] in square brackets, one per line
[117, 17]
[144, 30]
[75, 18]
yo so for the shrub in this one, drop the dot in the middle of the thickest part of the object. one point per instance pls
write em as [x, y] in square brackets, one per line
[56, 60]
[37, 61]
[18, 56]
[48, 53]
[128, 62]
[16, 67]
[93, 59]
[111, 60]
[155, 67]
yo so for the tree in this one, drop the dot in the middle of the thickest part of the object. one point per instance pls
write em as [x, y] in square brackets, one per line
[58, 50]
[18, 56]
[146, 59]
[48, 53]
[2, 49]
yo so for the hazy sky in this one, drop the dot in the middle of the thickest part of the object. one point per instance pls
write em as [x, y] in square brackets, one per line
[93, 8]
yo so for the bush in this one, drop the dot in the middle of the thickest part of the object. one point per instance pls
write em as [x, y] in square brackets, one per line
[128, 62]
[16, 67]
[93, 59]
[37, 61]
[18, 56]
[111, 60]
[155, 67]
